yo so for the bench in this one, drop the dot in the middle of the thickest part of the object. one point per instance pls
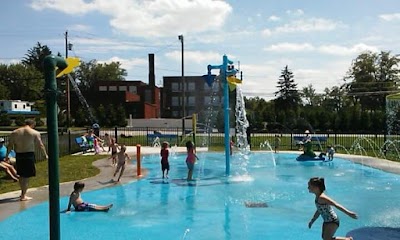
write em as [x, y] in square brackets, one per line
[151, 138]
[83, 145]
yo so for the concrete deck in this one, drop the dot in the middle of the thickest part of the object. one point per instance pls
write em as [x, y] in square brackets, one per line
[10, 204]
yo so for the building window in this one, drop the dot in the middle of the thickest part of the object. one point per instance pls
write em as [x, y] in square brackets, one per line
[23, 106]
[191, 100]
[175, 101]
[103, 88]
[190, 86]
[147, 96]
[175, 87]
[207, 100]
[175, 114]
[15, 106]
[190, 112]
[113, 88]
[133, 89]
[2, 104]
[122, 88]
[27, 104]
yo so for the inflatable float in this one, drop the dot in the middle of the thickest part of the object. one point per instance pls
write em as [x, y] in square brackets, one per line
[309, 154]
[303, 158]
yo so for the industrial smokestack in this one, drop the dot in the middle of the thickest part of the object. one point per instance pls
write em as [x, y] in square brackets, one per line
[152, 77]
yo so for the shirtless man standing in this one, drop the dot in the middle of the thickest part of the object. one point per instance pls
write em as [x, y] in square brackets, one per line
[23, 141]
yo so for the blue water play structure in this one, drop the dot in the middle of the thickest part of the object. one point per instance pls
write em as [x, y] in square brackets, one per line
[226, 70]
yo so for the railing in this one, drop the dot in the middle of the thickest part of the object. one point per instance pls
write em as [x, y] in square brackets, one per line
[132, 136]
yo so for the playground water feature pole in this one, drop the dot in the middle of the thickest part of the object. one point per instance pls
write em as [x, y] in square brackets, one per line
[50, 64]
[65, 66]
[225, 71]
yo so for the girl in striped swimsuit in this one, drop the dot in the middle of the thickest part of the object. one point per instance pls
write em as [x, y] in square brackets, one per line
[324, 208]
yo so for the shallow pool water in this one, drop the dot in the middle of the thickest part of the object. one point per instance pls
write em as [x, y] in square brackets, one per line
[213, 206]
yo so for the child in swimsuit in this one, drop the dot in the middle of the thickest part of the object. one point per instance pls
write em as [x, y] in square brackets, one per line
[121, 157]
[190, 159]
[324, 209]
[78, 203]
[164, 159]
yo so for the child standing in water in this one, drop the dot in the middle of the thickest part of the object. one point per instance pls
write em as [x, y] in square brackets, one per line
[164, 159]
[324, 208]
[190, 159]
[114, 148]
[79, 205]
[121, 157]
[277, 143]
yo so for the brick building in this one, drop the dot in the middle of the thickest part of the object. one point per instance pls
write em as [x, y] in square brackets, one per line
[140, 100]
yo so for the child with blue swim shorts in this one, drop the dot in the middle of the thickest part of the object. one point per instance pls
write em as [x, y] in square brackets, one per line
[78, 203]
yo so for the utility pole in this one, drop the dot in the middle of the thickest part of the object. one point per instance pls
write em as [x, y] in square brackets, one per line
[68, 87]
[180, 37]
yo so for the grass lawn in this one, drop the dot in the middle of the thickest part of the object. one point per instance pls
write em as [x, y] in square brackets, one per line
[71, 168]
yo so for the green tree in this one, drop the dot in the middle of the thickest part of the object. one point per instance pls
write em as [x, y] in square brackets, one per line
[310, 96]
[102, 116]
[36, 55]
[81, 118]
[121, 116]
[371, 78]
[21, 82]
[39, 122]
[111, 115]
[20, 120]
[5, 119]
[92, 72]
[287, 95]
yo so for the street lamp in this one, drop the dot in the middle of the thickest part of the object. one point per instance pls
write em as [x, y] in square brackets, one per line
[180, 37]
[68, 47]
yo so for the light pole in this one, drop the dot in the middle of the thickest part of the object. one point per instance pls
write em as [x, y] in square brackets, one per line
[180, 37]
[67, 47]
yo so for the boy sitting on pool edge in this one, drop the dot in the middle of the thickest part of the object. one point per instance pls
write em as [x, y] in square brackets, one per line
[78, 203]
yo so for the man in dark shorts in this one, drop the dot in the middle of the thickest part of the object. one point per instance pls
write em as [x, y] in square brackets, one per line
[24, 141]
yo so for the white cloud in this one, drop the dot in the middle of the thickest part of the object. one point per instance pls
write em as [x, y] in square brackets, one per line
[195, 56]
[297, 12]
[80, 27]
[289, 47]
[326, 49]
[390, 17]
[8, 61]
[128, 63]
[266, 32]
[274, 18]
[309, 25]
[147, 19]
[70, 7]
[103, 45]
[343, 51]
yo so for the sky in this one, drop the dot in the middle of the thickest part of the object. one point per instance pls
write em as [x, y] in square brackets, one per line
[316, 39]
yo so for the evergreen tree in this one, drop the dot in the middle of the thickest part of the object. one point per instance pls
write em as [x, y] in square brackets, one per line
[288, 96]
[36, 55]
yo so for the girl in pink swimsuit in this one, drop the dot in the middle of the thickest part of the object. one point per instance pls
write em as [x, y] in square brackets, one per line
[190, 159]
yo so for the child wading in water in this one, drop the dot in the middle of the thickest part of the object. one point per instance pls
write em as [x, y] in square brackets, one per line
[190, 159]
[164, 159]
[79, 205]
[121, 157]
[114, 148]
[324, 208]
